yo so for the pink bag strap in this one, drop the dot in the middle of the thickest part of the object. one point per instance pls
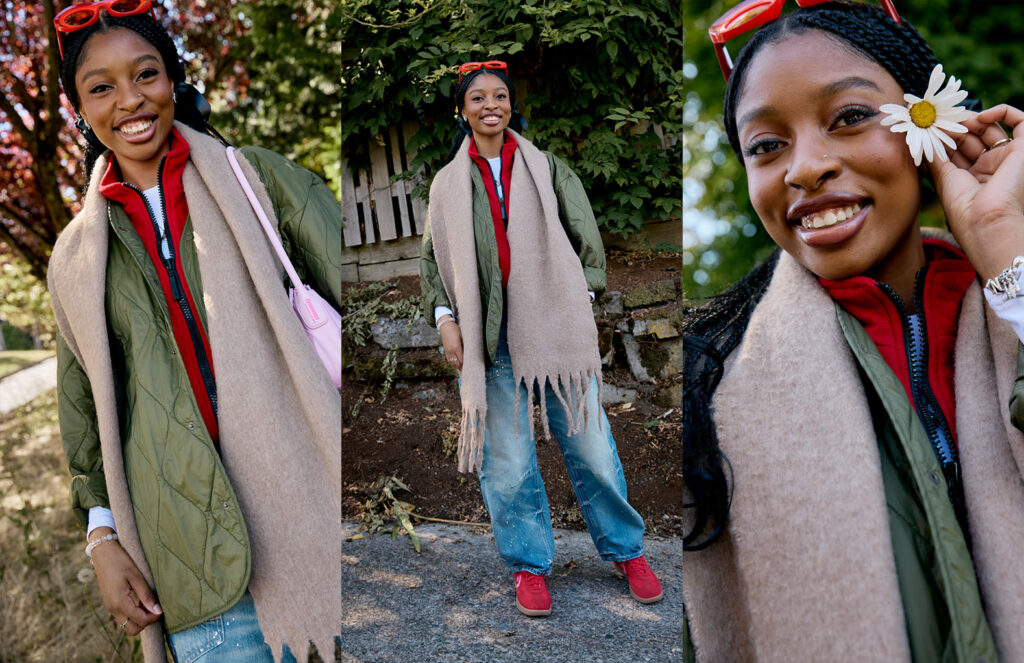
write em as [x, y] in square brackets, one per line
[275, 241]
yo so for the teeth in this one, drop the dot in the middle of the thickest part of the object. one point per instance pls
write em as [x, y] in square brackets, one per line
[136, 127]
[826, 218]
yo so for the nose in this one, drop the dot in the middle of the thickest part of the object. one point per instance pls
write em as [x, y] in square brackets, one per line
[811, 165]
[129, 98]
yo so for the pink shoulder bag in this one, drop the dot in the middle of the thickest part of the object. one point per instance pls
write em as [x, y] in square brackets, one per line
[321, 322]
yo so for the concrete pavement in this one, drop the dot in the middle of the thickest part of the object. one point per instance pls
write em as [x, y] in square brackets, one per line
[455, 603]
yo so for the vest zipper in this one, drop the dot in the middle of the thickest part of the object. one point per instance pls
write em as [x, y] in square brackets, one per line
[177, 290]
[498, 187]
[928, 409]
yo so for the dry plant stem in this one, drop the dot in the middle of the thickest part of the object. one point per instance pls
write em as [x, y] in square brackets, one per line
[451, 522]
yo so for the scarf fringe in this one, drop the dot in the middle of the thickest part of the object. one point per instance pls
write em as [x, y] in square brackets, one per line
[576, 383]
[471, 439]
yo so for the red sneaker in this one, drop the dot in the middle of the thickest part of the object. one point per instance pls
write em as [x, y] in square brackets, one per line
[643, 584]
[532, 596]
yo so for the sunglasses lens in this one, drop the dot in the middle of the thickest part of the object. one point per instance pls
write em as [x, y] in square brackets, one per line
[77, 18]
[127, 7]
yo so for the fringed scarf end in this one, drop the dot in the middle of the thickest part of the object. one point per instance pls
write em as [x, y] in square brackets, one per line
[471, 439]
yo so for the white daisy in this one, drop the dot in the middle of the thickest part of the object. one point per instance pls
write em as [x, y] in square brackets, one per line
[928, 120]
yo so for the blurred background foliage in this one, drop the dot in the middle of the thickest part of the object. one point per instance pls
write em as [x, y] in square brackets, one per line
[978, 41]
[599, 81]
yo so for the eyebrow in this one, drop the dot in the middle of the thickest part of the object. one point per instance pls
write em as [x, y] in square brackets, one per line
[829, 90]
[101, 71]
[480, 89]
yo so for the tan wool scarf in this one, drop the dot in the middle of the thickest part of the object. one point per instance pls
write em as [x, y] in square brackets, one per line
[805, 570]
[552, 336]
[279, 414]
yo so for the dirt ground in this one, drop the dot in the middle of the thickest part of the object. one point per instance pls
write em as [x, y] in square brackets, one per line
[412, 436]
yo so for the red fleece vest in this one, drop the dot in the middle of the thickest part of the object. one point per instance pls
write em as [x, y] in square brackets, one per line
[176, 213]
[947, 279]
[508, 150]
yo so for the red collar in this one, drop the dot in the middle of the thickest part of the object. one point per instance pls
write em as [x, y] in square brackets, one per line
[172, 167]
[947, 278]
[507, 149]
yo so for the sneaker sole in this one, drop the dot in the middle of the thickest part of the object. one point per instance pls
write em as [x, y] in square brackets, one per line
[533, 613]
[622, 576]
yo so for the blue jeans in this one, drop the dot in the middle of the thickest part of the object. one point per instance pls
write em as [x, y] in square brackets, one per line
[513, 490]
[233, 636]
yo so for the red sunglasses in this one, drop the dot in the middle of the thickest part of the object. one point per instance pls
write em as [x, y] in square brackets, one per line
[76, 17]
[752, 14]
[473, 66]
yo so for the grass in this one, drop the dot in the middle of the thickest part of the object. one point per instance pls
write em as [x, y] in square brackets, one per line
[50, 601]
[12, 360]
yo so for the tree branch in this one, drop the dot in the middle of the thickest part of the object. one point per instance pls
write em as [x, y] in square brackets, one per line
[15, 119]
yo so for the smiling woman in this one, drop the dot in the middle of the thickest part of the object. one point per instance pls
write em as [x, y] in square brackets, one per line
[196, 419]
[853, 406]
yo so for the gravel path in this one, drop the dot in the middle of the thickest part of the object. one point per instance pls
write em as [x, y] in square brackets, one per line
[23, 386]
[455, 603]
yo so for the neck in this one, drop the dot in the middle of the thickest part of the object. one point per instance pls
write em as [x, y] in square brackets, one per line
[489, 147]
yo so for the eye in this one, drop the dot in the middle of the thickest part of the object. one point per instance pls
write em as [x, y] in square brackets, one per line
[99, 88]
[147, 73]
[502, 95]
[852, 115]
[762, 146]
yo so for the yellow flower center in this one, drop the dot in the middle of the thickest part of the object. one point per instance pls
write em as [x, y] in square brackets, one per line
[922, 114]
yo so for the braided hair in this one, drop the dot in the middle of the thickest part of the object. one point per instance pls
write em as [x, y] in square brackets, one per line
[712, 331]
[516, 122]
[190, 107]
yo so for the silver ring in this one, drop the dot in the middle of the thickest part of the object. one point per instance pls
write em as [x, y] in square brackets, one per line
[999, 142]
[123, 624]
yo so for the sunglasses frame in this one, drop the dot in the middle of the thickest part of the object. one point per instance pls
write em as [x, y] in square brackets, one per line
[752, 14]
[93, 8]
[468, 67]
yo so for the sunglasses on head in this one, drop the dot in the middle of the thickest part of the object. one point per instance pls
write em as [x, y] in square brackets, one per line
[473, 66]
[752, 14]
[76, 17]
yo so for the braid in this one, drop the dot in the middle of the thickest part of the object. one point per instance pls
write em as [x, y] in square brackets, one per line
[516, 122]
[190, 107]
[711, 332]
[899, 49]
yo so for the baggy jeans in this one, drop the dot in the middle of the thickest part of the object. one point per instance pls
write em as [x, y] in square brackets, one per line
[513, 490]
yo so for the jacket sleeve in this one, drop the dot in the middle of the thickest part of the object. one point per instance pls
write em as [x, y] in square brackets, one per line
[310, 220]
[578, 219]
[431, 286]
[79, 433]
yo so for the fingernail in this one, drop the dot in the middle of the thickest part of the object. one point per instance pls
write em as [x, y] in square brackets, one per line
[157, 609]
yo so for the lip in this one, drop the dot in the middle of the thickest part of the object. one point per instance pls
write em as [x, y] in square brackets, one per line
[835, 234]
[802, 208]
[137, 138]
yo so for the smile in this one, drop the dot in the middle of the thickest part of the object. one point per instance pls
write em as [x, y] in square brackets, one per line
[135, 127]
[491, 119]
[829, 217]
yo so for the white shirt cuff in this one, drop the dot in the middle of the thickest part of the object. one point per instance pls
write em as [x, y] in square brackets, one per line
[100, 517]
[442, 310]
[591, 293]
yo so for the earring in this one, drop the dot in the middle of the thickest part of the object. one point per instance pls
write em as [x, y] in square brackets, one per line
[81, 124]
[174, 97]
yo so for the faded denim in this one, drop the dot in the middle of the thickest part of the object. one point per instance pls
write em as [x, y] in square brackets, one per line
[233, 636]
[513, 490]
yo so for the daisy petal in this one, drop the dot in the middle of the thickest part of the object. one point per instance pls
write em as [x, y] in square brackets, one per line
[911, 99]
[934, 82]
[951, 127]
[926, 145]
[945, 138]
[940, 150]
[914, 141]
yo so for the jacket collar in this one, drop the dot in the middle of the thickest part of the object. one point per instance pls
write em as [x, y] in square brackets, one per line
[507, 149]
[173, 165]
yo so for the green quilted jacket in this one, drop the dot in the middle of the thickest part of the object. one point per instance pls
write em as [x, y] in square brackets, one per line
[577, 217]
[945, 618]
[193, 534]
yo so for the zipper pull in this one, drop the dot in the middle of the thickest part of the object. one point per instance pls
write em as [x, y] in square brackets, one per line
[176, 289]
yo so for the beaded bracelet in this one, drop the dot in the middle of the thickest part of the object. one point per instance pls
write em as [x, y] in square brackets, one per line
[444, 322]
[103, 539]
[1006, 283]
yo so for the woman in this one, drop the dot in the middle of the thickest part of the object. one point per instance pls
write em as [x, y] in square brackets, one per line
[856, 488]
[509, 255]
[200, 429]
